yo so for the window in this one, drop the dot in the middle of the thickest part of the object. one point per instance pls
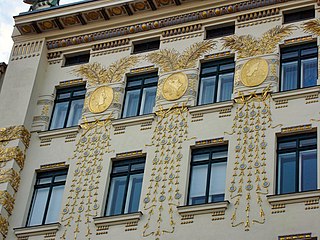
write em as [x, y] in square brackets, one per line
[216, 81]
[299, 67]
[125, 187]
[140, 95]
[47, 198]
[220, 31]
[297, 163]
[208, 175]
[76, 59]
[68, 107]
[298, 15]
[146, 46]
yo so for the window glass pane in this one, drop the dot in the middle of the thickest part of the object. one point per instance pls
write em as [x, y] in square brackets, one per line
[309, 72]
[59, 115]
[63, 95]
[198, 184]
[75, 112]
[134, 83]
[287, 171]
[55, 204]
[131, 103]
[116, 195]
[200, 157]
[206, 94]
[38, 206]
[151, 80]
[44, 180]
[137, 166]
[211, 69]
[289, 76]
[148, 100]
[119, 169]
[61, 178]
[285, 145]
[308, 163]
[289, 55]
[217, 155]
[225, 87]
[217, 181]
[79, 93]
[309, 51]
[308, 142]
[226, 66]
[133, 194]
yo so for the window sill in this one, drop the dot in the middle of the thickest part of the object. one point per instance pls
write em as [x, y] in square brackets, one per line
[58, 133]
[296, 93]
[213, 107]
[291, 198]
[117, 219]
[130, 121]
[36, 230]
[207, 208]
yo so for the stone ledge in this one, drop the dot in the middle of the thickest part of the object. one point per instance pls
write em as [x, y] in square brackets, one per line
[296, 93]
[36, 230]
[117, 219]
[58, 133]
[207, 208]
[208, 108]
[131, 121]
[292, 198]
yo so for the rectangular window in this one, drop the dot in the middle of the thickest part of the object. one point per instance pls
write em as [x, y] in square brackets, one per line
[299, 67]
[76, 59]
[47, 198]
[146, 46]
[220, 31]
[298, 15]
[67, 107]
[208, 175]
[140, 95]
[125, 187]
[216, 81]
[297, 163]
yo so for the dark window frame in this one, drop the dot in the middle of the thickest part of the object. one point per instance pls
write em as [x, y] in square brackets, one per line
[296, 150]
[217, 63]
[208, 163]
[298, 15]
[51, 185]
[220, 31]
[129, 163]
[70, 90]
[76, 59]
[141, 77]
[299, 58]
[146, 46]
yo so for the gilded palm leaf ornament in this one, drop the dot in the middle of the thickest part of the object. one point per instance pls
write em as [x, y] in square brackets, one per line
[248, 46]
[312, 26]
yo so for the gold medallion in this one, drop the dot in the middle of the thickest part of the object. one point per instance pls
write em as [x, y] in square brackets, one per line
[175, 86]
[101, 99]
[254, 72]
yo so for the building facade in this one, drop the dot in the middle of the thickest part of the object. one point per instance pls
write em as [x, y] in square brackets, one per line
[162, 119]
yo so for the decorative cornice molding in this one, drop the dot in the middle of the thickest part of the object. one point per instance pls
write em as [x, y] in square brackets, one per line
[161, 23]
[258, 14]
[15, 132]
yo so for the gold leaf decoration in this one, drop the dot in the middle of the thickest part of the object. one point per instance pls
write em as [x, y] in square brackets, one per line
[170, 60]
[191, 55]
[96, 74]
[312, 26]
[167, 59]
[248, 46]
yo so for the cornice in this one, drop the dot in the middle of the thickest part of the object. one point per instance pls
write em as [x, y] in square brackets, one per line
[179, 15]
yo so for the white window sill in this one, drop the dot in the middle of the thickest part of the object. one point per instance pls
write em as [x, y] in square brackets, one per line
[117, 219]
[296, 93]
[213, 107]
[291, 198]
[131, 121]
[207, 208]
[36, 230]
[58, 133]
